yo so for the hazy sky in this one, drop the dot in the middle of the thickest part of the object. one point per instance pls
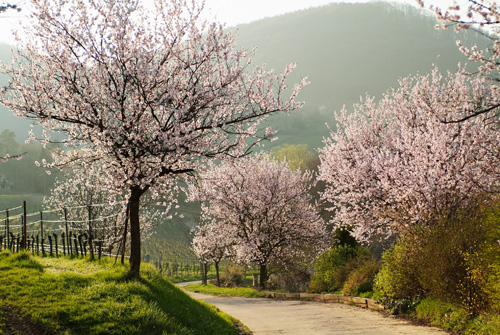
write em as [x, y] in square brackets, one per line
[232, 12]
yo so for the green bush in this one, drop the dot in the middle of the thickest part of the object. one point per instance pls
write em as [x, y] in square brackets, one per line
[452, 260]
[232, 276]
[334, 266]
[361, 278]
[398, 278]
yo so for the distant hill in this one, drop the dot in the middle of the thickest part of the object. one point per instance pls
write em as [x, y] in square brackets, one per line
[348, 50]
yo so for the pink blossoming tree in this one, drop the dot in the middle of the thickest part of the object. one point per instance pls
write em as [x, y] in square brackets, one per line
[151, 94]
[264, 205]
[394, 166]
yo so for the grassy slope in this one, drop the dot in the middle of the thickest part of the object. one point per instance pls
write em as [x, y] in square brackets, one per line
[79, 297]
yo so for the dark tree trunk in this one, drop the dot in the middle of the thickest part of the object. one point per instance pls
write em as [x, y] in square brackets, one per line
[217, 273]
[263, 276]
[204, 273]
[135, 232]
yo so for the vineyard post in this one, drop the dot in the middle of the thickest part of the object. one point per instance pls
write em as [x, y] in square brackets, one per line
[41, 233]
[68, 243]
[91, 247]
[7, 227]
[41, 225]
[25, 231]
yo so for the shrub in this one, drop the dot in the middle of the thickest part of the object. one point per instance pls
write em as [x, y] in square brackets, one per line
[453, 260]
[334, 266]
[360, 279]
[232, 276]
[443, 315]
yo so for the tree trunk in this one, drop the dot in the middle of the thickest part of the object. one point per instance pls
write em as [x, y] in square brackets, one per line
[204, 273]
[135, 232]
[217, 273]
[263, 276]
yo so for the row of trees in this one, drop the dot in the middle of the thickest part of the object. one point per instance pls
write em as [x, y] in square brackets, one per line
[150, 95]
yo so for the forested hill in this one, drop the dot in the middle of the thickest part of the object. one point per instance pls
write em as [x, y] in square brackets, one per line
[346, 50]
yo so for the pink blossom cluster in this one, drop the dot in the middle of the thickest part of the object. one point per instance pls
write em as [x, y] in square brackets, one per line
[401, 163]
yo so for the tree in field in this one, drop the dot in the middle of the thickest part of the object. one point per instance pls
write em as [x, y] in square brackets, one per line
[213, 243]
[151, 94]
[394, 167]
[265, 205]
[87, 193]
[298, 156]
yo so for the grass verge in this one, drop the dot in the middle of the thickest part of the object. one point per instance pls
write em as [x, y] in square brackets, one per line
[454, 318]
[75, 296]
[227, 291]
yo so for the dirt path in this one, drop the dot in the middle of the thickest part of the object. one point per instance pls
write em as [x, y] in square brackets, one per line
[271, 317]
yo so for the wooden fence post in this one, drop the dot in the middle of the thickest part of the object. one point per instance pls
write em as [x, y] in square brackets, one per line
[7, 232]
[91, 249]
[50, 244]
[55, 242]
[68, 240]
[25, 222]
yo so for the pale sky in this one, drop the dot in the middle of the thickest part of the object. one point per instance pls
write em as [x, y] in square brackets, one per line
[231, 12]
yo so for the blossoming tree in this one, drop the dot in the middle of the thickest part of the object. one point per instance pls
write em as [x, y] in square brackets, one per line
[265, 205]
[213, 242]
[395, 166]
[151, 94]
[86, 194]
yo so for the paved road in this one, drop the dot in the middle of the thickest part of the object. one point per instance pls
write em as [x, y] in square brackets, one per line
[279, 317]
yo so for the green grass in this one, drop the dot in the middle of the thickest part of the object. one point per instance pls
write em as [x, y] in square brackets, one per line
[236, 291]
[455, 319]
[75, 296]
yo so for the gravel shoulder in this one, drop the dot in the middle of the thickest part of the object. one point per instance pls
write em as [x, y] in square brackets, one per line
[268, 316]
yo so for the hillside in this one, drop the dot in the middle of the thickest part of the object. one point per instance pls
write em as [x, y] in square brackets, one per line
[72, 296]
[346, 50]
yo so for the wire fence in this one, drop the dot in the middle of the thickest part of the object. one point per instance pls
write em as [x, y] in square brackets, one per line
[65, 230]
[94, 230]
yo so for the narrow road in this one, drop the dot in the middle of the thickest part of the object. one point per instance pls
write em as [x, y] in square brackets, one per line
[271, 317]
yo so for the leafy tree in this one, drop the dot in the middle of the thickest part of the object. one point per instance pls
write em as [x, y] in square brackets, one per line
[265, 205]
[153, 95]
[297, 156]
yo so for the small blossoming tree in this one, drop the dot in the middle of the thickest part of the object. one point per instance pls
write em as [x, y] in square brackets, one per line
[213, 243]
